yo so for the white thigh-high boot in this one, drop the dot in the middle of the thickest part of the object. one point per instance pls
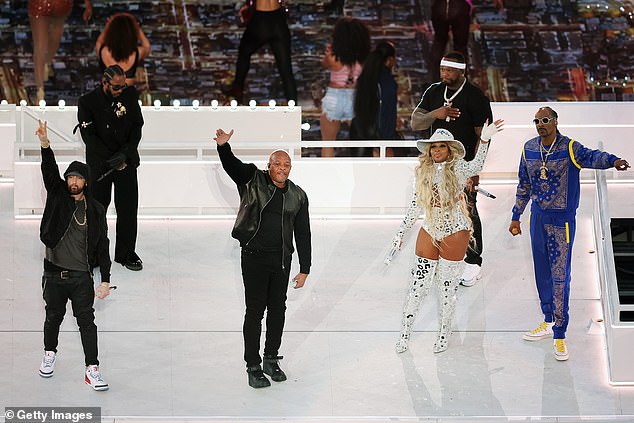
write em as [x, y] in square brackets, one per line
[420, 281]
[447, 278]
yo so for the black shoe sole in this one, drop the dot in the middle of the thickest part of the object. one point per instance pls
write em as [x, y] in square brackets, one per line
[134, 268]
[256, 386]
[259, 383]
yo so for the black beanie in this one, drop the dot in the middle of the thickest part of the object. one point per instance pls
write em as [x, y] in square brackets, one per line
[78, 169]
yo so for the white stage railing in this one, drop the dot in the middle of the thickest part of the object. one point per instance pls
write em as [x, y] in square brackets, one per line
[180, 174]
[619, 335]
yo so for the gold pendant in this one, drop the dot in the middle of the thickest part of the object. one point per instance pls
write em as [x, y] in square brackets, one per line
[543, 172]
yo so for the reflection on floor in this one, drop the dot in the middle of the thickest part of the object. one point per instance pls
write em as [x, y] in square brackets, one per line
[171, 344]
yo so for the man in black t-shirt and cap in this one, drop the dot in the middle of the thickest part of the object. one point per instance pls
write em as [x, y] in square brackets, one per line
[462, 108]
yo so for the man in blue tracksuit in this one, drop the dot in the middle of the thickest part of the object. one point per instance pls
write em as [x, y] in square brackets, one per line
[549, 176]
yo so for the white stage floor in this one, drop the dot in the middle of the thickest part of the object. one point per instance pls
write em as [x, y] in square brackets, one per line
[171, 344]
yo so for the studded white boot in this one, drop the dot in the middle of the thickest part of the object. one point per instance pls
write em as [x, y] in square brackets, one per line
[421, 280]
[447, 278]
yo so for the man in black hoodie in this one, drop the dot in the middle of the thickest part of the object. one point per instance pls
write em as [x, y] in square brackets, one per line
[272, 210]
[75, 233]
[110, 121]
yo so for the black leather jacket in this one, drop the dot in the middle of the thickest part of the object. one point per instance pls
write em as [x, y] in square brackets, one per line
[58, 214]
[256, 189]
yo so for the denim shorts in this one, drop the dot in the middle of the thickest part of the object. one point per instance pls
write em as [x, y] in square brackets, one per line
[338, 103]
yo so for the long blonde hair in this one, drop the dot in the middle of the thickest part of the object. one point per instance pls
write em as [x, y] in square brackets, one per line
[448, 192]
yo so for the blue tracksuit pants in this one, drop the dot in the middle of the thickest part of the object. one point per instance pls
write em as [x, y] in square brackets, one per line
[552, 236]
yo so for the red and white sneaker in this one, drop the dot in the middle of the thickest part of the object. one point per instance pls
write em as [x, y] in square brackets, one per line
[48, 364]
[94, 379]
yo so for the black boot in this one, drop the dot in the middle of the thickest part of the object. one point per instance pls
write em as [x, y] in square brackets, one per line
[257, 378]
[272, 368]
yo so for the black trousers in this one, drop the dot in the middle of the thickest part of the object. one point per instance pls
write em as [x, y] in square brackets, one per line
[265, 285]
[80, 291]
[267, 28]
[449, 15]
[126, 203]
[474, 251]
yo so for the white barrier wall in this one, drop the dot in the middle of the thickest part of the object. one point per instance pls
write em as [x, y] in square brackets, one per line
[180, 174]
[8, 133]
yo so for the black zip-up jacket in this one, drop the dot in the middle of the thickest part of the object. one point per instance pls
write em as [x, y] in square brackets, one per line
[110, 125]
[256, 189]
[58, 214]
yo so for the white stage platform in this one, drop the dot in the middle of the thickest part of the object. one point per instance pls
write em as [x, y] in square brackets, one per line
[170, 336]
[171, 345]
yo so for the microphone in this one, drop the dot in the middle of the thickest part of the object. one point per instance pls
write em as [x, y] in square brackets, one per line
[485, 192]
[99, 179]
[390, 255]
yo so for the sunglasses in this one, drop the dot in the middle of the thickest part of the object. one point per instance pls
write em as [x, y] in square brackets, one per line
[544, 120]
[118, 87]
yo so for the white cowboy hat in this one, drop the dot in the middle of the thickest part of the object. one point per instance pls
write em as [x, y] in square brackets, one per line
[442, 135]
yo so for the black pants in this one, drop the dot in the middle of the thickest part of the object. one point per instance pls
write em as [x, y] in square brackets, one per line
[126, 203]
[474, 251]
[80, 291]
[265, 285]
[267, 28]
[449, 15]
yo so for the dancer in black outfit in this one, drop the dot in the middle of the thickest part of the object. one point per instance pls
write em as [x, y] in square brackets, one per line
[267, 24]
[454, 16]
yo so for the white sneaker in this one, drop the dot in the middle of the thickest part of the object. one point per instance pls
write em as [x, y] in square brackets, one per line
[94, 379]
[48, 364]
[543, 331]
[470, 274]
[561, 351]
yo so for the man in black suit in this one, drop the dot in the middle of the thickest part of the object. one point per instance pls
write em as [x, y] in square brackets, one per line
[110, 121]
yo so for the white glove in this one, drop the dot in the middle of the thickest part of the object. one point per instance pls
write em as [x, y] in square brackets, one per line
[491, 129]
[395, 246]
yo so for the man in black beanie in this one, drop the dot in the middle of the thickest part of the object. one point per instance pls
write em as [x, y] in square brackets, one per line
[75, 233]
[110, 122]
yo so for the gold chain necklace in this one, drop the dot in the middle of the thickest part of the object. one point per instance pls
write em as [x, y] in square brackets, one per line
[85, 216]
[543, 170]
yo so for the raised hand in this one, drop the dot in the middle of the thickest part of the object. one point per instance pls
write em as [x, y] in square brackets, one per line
[222, 137]
[491, 129]
[42, 134]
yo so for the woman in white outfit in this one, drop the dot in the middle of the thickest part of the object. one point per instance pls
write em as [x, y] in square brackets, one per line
[441, 177]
